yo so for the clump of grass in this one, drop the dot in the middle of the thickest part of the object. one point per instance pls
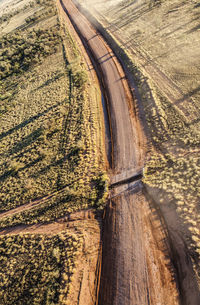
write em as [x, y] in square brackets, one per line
[36, 268]
[19, 50]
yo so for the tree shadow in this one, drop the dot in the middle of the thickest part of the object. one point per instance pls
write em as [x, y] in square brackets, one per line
[26, 122]
[28, 140]
[197, 5]
[134, 13]
[122, 8]
[13, 172]
[194, 29]
[7, 174]
[180, 27]
[49, 81]
[48, 167]
[187, 95]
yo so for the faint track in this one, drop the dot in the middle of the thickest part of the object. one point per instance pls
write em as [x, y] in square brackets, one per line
[181, 101]
[34, 203]
[63, 223]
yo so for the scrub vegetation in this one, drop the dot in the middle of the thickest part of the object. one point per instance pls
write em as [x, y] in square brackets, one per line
[48, 126]
[37, 269]
[51, 152]
[173, 167]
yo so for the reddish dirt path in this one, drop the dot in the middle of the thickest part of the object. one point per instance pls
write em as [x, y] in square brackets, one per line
[135, 262]
[126, 155]
[134, 267]
[63, 223]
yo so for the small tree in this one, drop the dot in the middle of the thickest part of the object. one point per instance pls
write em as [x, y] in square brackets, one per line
[80, 79]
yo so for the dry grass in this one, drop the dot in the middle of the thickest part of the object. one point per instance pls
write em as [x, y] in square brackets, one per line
[51, 152]
[37, 269]
[166, 34]
[51, 135]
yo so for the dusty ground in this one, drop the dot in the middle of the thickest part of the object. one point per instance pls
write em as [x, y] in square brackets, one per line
[166, 36]
[177, 236]
[136, 266]
[85, 278]
[7, 6]
[17, 21]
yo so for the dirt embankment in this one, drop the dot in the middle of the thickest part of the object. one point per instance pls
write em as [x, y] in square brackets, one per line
[180, 254]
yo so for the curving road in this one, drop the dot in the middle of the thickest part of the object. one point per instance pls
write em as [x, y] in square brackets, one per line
[134, 266]
[126, 155]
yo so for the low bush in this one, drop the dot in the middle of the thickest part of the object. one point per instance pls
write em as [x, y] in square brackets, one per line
[37, 269]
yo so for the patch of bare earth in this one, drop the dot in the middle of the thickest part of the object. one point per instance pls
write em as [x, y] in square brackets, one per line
[85, 278]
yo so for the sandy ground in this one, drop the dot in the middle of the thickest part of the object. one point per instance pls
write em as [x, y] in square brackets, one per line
[179, 252]
[136, 266]
[85, 278]
[159, 37]
[7, 6]
[17, 21]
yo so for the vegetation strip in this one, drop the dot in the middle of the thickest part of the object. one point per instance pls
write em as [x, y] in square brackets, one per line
[39, 265]
[62, 135]
[51, 159]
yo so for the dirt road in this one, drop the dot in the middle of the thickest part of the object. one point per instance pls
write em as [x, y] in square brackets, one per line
[126, 156]
[135, 269]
